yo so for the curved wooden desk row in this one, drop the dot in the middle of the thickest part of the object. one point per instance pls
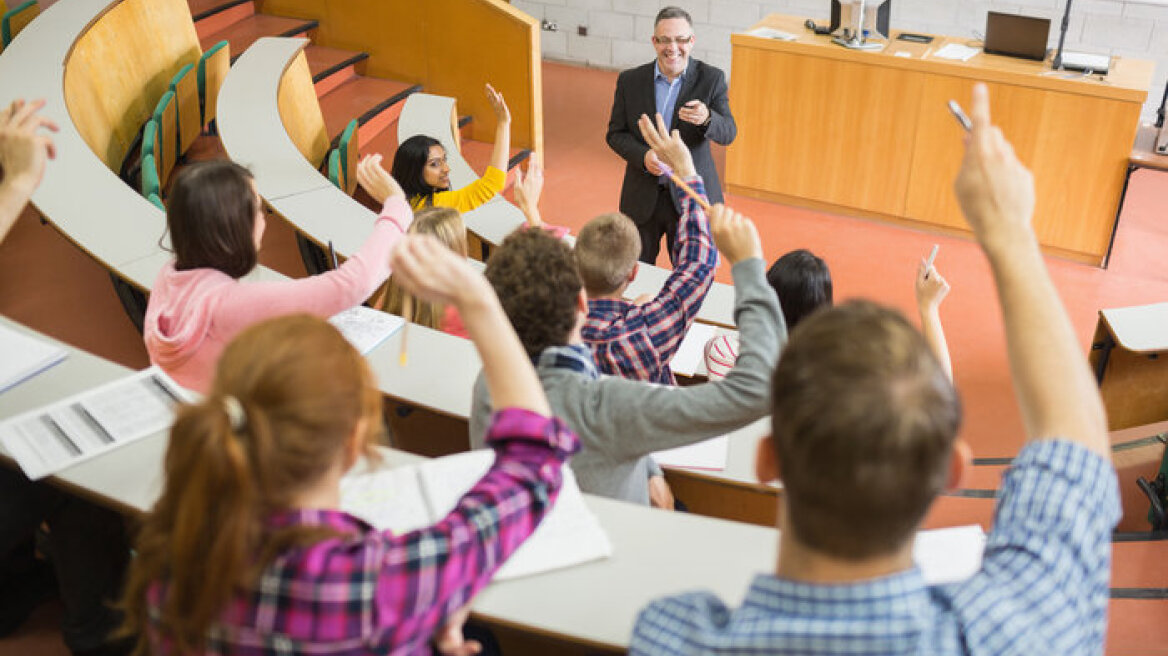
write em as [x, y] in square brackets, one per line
[93, 208]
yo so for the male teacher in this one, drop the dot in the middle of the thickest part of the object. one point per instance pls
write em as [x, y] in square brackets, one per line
[691, 96]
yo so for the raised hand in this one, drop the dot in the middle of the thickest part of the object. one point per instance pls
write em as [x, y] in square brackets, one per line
[994, 189]
[449, 640]
[24, 148]
[669, 148]
[375, 180]
[428, 269]
[734, 234]
[499, 105]
[931, 287]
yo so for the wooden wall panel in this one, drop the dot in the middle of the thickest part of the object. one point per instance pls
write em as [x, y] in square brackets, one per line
[121, 66]
[831, 131]
[300, 111]
[450, 47]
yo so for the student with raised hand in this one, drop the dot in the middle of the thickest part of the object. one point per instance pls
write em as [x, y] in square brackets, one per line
[802, 282]
[24, 152]
[246, 550]
[87, 551]
[931, 289]
[865, 425]
[637, 340]
[199, 302]
[419, 166]
[620, 421]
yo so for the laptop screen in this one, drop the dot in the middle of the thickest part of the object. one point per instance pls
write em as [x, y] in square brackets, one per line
[1016, 36]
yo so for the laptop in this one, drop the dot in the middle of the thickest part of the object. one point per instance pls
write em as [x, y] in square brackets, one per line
[1016, 36]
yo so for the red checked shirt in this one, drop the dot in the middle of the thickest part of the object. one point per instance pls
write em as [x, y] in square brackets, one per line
[372, 592]
[638, 341]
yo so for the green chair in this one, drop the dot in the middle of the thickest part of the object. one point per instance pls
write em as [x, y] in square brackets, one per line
[16, 19]
[153, 198]
[166, 116]
[151, 183]
[349, 147]
[335, 173]
[150, 140]
[185, 86]
[213, 66]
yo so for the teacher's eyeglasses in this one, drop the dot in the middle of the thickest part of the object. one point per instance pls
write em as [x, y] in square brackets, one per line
[681, 40]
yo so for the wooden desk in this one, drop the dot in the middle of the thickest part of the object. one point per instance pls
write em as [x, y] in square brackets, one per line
[868, 133]
[654, 553]
[1127, 354]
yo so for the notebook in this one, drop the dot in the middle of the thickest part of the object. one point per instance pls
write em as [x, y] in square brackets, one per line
[366, 328]
[24, 356]
[1016, 36]
[403, 499]
[48, 439]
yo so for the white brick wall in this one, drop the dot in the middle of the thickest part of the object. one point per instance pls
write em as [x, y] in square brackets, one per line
[619, 30]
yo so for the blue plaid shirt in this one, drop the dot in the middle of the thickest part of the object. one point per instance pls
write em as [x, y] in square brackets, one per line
[1042, 589]
[638, 341]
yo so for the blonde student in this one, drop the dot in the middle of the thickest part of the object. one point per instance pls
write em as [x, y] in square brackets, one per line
[246, 551]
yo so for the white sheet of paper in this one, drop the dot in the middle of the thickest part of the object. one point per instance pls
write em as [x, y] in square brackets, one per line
[956, 52]
[949, 555]
[365, 328]
[48, 439]
[387, 499]
[689, 356]
[772, 33]
[568, 535]
[23, 356]
[707, 454]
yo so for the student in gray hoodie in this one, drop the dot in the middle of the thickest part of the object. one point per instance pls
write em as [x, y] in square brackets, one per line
[619, 421]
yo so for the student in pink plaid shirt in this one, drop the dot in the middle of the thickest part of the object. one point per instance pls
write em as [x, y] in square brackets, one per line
[637, 340]
[246, 552]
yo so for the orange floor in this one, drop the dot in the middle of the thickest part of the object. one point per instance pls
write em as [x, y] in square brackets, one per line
[52, 286]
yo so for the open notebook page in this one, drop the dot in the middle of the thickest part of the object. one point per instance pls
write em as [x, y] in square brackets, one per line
[23, 356]
[46, 440]
[365, 328]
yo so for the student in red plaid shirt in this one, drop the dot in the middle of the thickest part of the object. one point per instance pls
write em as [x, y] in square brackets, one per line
[637, 340]
[246, 551]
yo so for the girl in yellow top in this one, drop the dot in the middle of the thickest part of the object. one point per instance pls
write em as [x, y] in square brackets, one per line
[419, 165]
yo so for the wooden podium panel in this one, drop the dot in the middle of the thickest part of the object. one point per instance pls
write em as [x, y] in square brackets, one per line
[868, 133]
[798, 118]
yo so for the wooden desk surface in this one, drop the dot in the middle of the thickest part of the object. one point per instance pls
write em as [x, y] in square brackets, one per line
[1128, 79]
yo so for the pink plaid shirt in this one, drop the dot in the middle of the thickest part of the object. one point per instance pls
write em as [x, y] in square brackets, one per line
[372, 592]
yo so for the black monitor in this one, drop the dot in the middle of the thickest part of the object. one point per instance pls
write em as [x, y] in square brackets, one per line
[883, 15]
[1016, 36]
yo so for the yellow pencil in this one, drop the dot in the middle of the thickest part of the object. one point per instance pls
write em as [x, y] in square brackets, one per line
[408, 315]
[689, 190]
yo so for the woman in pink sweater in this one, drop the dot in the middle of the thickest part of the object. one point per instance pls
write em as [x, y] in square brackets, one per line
[199, 302]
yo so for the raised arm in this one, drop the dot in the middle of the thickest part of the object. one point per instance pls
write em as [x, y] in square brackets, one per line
[528, 189]
[502, 150]
[1055, 389]
[431, 271]
[669, 315]
[24, 151]
[931, 290]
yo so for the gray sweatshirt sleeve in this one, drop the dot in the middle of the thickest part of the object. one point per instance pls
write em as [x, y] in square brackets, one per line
[480, 413]
[659, 417]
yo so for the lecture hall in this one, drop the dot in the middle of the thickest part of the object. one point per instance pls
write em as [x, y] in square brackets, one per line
[313, 311]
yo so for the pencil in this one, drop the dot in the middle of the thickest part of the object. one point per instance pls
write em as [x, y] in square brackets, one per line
[689, 190]
[408, 315]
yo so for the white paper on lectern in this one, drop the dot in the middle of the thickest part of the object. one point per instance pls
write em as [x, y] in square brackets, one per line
[949, 555]
[48, 439]
[365, 328]
[568, 535]
[23, 356]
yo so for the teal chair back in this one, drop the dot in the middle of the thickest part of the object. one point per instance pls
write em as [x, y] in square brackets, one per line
[166, 116]
[188, 114]
[15, 19]
[212, 69]
[349, 148]
[151, 183]
[335, 174]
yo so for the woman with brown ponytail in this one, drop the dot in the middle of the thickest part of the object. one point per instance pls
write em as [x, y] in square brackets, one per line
[246, 553]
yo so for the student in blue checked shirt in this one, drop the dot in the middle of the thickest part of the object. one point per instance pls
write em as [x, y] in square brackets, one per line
[864, 438]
